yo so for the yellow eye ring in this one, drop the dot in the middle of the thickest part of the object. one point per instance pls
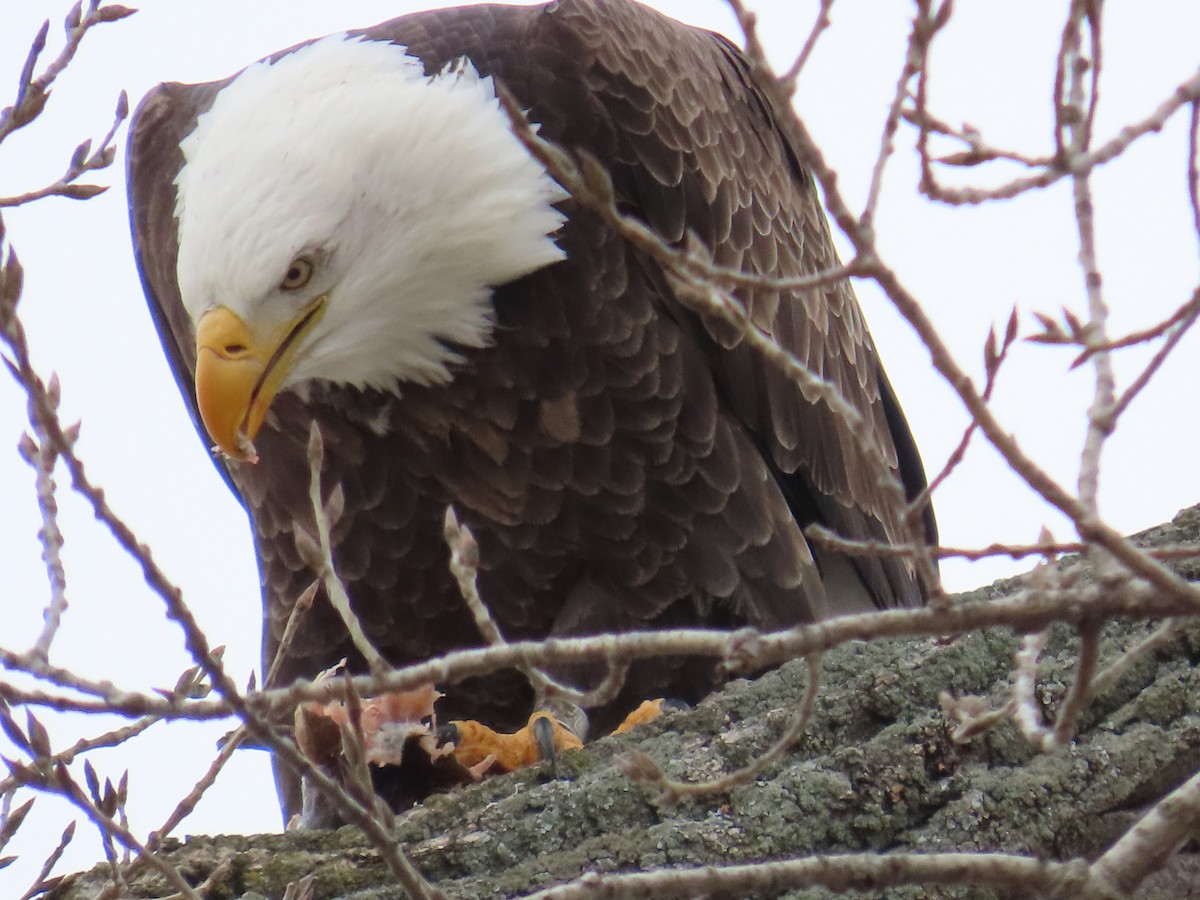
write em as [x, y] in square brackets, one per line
[297, 274]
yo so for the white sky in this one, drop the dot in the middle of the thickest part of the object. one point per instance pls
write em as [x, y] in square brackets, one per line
[86, 319]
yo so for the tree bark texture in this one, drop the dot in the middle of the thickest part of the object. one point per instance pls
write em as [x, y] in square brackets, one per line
[876, 771]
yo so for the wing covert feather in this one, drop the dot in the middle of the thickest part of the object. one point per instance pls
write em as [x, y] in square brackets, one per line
[700, 152]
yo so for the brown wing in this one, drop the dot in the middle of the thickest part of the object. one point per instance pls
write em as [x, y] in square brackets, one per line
[694, 148]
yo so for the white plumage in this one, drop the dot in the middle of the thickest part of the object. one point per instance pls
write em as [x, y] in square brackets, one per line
[409, 194]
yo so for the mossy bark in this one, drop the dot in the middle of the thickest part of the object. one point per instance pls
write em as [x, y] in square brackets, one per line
[875, 771]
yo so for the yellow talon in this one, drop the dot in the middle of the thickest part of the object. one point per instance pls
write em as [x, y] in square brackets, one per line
[647, 712]
[508, 752]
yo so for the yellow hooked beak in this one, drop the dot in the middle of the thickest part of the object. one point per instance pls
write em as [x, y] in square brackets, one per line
[239, 372]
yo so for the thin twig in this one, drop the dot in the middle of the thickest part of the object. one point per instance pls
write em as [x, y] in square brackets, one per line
[1178, 330]
[926, 25]
[187, 805]
[1185, 313]
[182, 810]
[114, 738]
[1187, 92]
[1077, 124]
[32, 93]
[792, 75]
[832, 541]
[1083, 687]
[839, 872]
[742, 651]
[1026, 711]
[1132, 655]
[1193, 166]
[83, 160]
[302, 605]
[59, 781]
[323, 563]
[1144, 848]
[994, 358]
[639, 767]
[464, 565]
[40, 884]
[42, 458]
[977, 150]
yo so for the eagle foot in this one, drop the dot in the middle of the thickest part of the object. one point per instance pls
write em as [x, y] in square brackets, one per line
[479, 749]
[648, 711]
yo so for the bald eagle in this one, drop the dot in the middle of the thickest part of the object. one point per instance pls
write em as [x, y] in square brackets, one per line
[350, 233]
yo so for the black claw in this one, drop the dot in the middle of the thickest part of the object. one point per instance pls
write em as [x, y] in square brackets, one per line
[447, 734]
[543, 731]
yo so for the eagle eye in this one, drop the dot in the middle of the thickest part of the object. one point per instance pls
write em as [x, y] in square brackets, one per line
[298, 274]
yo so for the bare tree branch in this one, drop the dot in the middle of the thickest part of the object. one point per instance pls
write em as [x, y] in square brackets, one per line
[1114, 581]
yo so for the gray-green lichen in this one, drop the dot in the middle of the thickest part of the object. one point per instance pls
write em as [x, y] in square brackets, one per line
[875, 770]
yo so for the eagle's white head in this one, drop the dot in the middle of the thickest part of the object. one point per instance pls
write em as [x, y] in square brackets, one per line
[344, 217]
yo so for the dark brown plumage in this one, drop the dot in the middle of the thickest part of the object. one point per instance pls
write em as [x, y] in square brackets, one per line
[622, 463]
